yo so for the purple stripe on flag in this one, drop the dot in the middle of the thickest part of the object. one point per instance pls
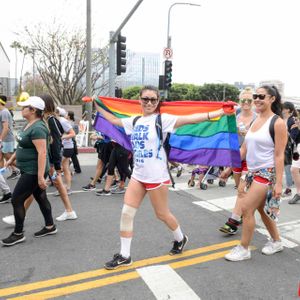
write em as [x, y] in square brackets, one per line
[112, 131]
[207, 157]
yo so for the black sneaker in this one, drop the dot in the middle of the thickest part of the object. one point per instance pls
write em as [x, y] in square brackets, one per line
[103, 193]
[179, 172]
[14, 175]
[6, 198]
[89, 187]
[178, 246]
[45, 231]
[118, 261]
[13, 239]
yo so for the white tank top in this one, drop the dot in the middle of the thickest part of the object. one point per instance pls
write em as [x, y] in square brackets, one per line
[260, 148]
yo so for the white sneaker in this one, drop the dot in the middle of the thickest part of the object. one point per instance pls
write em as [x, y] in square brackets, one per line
[10, 220]
[272, 247]
[238, 253]
[67, 216]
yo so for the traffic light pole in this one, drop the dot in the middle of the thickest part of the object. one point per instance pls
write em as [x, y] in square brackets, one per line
[112, 52]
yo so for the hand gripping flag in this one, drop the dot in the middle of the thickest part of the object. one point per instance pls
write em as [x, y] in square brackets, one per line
[213, 142]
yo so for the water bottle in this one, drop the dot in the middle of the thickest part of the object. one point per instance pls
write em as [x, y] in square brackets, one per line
[242, 127]
[3, 171]
[54, 176]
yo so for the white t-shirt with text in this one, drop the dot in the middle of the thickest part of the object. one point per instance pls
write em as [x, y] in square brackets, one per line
[149, 165]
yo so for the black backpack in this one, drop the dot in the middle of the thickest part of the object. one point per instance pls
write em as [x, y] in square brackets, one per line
[162, 143]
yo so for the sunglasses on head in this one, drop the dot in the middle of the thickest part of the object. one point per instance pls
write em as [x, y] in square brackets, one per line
[248, 101]
[146, 100]
[259, 96]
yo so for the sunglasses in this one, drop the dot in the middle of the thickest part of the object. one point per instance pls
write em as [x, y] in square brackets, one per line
[259, 96]
[248, 101]
[147, 100]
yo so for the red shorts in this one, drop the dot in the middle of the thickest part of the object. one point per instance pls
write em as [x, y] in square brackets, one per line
[153, 186]
[261, 180]
[243, 168]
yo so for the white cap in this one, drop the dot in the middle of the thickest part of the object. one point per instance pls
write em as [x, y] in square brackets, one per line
[62, 112]
[33, 101]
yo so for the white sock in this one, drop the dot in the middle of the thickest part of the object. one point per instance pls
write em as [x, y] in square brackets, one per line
[125, 247]
[178, 235]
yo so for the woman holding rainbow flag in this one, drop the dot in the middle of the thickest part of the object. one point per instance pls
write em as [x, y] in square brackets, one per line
[150, 173]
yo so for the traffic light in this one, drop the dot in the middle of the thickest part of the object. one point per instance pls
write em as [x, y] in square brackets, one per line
[168, 74]
[121, 54]
[118, 92]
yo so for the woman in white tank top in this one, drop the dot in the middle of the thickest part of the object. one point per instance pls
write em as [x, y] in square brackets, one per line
[265, 161]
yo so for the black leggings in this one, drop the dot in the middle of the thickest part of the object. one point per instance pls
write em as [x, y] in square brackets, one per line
[26, 186]
[119, 158]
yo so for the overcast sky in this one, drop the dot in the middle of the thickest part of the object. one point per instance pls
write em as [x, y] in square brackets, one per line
[223, 40]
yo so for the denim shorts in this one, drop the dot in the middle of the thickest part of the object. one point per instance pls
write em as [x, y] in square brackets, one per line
[8, 147]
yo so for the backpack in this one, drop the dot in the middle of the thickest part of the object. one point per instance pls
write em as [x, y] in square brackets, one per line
[162, 143]
[271, 127]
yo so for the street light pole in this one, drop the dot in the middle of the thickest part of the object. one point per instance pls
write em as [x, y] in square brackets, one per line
[168, 28]
[224, 89]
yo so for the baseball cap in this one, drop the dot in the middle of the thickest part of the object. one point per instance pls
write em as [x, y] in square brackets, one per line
[62, 112]
[33, 101]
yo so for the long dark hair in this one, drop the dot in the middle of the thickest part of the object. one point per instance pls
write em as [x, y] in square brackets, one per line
[276, 106]
[291, 107]
[49, 104]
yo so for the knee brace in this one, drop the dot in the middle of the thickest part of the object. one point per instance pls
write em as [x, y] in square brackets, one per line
[127, 216]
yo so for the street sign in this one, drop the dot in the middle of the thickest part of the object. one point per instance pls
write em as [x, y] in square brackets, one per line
[168, 53]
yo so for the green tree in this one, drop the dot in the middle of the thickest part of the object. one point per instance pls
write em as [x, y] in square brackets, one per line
[184, 91]
[131, 92]
[217, 92]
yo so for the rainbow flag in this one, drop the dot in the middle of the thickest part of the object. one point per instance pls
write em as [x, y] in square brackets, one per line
[211, 143]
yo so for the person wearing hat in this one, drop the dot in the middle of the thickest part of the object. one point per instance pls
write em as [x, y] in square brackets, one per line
[32, 160]
[7, 139]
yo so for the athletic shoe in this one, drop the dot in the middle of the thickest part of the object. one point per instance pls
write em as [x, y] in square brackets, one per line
[9, 220]
[69, 192]
[66, 215]
[295, 199]
[118, 190]
[179, 246]
[272, 247]
[89, 187]
[229, 229]
[6, 198]
[287, 192]
[179, 171]
[103, 193]
[57, 194]
[14, 175]
[13, 239]
[45, 231]
[117, 262]
[238, 253]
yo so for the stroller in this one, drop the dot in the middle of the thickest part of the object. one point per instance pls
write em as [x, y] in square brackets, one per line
[208, 175]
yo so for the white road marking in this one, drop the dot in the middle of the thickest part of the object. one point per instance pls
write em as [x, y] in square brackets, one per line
[165, 283]
[226, 203]
[207, 205]
[286, 243]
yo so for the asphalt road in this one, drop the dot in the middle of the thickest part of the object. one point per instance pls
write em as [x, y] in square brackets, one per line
[69, 265]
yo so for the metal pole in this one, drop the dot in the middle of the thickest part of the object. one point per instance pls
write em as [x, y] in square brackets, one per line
[143, 70]
[112, 66]
[224, 91]
[168, 28]
[111, 55]
[88, 105]
[33, 71]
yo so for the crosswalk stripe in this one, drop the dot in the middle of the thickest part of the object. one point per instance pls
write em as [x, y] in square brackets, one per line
[165, 283]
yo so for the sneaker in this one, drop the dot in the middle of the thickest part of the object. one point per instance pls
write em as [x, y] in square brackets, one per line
[45, 231]
[295, 199]
[69, 192]
[238, 253]
[179, 246]
[229, 229]
[6, 198]
[103, 193]
[13, 239]
[14, 175]
[9, 220]
[56, 194]
[118, 261]
[118, 190]
[287, 192]
[67, 216]
[179, 171]
[272, 247]
[89, 187]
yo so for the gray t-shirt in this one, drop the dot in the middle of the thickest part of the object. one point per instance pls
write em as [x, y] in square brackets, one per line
[5, 116]
[66, 125]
